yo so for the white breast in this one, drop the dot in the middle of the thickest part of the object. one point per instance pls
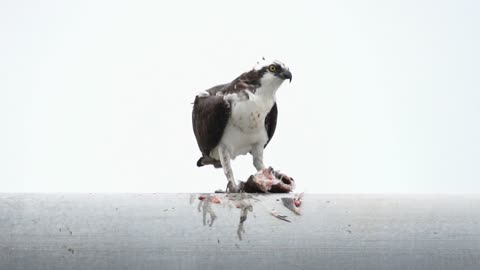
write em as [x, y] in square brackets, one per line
[249, 115]
[246, 127]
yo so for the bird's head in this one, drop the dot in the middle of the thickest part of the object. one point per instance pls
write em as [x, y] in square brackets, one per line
[273, 71]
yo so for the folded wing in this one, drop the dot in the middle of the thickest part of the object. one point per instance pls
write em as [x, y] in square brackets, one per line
[209, 118]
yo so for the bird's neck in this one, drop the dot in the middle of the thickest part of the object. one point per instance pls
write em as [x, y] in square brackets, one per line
[268, 88]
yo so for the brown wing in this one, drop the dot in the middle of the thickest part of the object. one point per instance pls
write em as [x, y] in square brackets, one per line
[209, 118]
[271, 122]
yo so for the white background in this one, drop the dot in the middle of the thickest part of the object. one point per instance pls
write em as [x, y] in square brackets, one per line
[95, 95]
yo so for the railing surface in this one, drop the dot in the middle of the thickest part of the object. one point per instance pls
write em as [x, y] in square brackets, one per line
[216, 231]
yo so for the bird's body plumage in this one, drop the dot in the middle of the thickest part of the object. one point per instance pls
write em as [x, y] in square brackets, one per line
[237, 118]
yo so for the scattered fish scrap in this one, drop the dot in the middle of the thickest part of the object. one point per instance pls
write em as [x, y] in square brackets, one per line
[277, 215]
[243, 202]
[212, 199]
[293, 204]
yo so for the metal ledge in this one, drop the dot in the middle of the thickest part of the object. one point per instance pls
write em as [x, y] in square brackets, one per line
[179, 231]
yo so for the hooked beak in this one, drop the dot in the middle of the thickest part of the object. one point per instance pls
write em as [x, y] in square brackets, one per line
[286, 74]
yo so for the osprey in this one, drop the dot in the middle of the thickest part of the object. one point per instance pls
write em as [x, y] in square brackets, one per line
[239, 117]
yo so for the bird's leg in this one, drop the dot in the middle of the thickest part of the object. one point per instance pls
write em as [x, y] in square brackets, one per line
[257, 155]
[227, 168]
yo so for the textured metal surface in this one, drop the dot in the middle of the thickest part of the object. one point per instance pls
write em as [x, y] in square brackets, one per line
[174, 231]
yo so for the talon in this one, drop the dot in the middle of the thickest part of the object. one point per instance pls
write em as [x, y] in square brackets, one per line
[233, 188]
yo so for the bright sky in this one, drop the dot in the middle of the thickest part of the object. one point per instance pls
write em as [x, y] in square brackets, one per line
[95, 95]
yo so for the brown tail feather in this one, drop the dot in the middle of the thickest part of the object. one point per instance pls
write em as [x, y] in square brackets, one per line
[208, 161]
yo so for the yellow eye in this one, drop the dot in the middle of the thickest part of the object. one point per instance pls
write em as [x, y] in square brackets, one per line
[272, 68]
